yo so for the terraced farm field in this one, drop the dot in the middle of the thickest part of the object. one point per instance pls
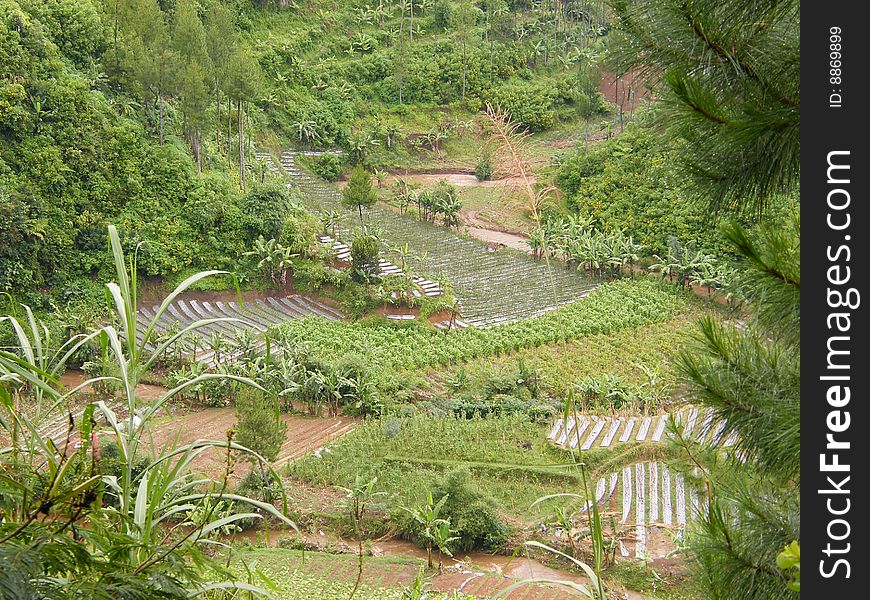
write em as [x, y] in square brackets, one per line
[255, 316]
[493, 286]
[601, 431]
[304, 434]
[386, 577]
[647, 498]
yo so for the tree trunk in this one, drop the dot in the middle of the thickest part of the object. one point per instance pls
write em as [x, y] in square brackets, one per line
[160, 102]
[229, 132]
[464, 68]
[217, 131]
[242, 181]
[197, 150]
[491, 49]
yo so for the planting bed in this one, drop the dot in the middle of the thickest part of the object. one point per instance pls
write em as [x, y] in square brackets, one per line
[494, 287]
[255, 316]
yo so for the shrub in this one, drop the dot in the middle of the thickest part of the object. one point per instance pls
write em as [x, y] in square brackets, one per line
[364, 252]
[265, 208]
[260, 485]
[392, 427]
[484, 169]
[473, 516]
[259, 426]
[327, 166]
[542, 413]
[528, 103]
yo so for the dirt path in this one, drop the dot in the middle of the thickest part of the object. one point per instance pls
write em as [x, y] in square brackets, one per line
[500, 238]
[491, 233]
[458, 179]
[304, 434]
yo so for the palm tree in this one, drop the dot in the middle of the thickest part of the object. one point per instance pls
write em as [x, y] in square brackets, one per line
[359, 143]
[380, 177]
[428, 521]
[274, 259]
[306, 131]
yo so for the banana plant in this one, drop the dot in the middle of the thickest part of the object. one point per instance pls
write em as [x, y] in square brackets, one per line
[428, 519]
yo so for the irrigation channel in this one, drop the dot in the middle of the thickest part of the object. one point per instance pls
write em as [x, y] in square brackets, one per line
[493, 287]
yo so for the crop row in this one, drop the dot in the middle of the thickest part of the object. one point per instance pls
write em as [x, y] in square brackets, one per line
[612, 307]
[493, 287]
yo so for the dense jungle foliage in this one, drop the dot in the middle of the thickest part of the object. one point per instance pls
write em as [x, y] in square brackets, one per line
[144, 113]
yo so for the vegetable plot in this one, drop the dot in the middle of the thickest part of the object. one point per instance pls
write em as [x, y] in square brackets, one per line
[612, 307]
[492, 287]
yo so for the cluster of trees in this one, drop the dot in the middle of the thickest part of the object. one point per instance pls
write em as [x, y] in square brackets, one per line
[160, 54]
[631, 183]
[685, 265]
[96, 97]
[293, 379]
[595, 251]
[439, 202]
[431, 52]
[104, 102]
[612, 253]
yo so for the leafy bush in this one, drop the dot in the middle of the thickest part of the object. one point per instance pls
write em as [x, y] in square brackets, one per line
[326, 166]
[264, 209]
[608, 392]
[364, 251]
[473, 516]
[528, 103]
[484, 169]
[630, 184]
[471, 407]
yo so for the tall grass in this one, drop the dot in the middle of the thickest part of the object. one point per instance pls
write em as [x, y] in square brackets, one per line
[79, 529]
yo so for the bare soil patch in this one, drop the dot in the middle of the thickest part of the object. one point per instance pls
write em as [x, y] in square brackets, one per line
[304, 434]
[627, 91]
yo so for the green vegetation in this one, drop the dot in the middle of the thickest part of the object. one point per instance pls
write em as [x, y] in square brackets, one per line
[359, 193]
[259, 426]
[631, 184]
[165, 117]
[612, 307]
[299, 576]
[739, 131]
[88, 122]
[410, 455]
[634, 354]
[103, 531]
